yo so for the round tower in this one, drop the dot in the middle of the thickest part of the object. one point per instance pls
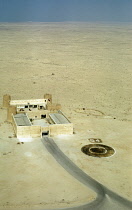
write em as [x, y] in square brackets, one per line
[11, 110]
[49, 97]
[6, 101]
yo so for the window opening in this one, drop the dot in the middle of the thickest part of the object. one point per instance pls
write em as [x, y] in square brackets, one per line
[43, 116]
[35, 106]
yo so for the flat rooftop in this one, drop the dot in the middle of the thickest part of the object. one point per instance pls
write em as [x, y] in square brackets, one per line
[58, 118]
[22, 120]
[41, 122]
[28, 102]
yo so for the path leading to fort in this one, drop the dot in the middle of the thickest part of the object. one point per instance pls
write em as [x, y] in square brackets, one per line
[106, 199]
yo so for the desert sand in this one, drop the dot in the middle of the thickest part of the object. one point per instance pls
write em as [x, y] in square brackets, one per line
[87, 67]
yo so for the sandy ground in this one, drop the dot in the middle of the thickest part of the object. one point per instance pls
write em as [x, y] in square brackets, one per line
[84, 65]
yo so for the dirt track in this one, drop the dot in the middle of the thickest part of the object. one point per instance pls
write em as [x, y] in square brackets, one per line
[106, 199]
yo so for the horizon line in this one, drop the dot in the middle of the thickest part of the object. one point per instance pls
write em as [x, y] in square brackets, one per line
[75, 21]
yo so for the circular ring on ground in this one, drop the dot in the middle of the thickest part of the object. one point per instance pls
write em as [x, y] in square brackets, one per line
[98, 150]
[92, 112]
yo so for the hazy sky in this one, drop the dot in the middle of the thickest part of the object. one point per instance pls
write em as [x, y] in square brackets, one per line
[65, 10]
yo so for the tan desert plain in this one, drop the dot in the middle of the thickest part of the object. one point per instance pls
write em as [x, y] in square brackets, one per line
[87, 67]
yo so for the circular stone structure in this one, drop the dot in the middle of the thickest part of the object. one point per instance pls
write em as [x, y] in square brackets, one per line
[98, 150]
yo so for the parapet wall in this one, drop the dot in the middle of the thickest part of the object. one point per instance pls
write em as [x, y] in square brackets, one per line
[29, 132]
[57, 129]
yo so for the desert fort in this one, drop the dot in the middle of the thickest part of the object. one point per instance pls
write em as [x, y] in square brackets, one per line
[87, 67]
